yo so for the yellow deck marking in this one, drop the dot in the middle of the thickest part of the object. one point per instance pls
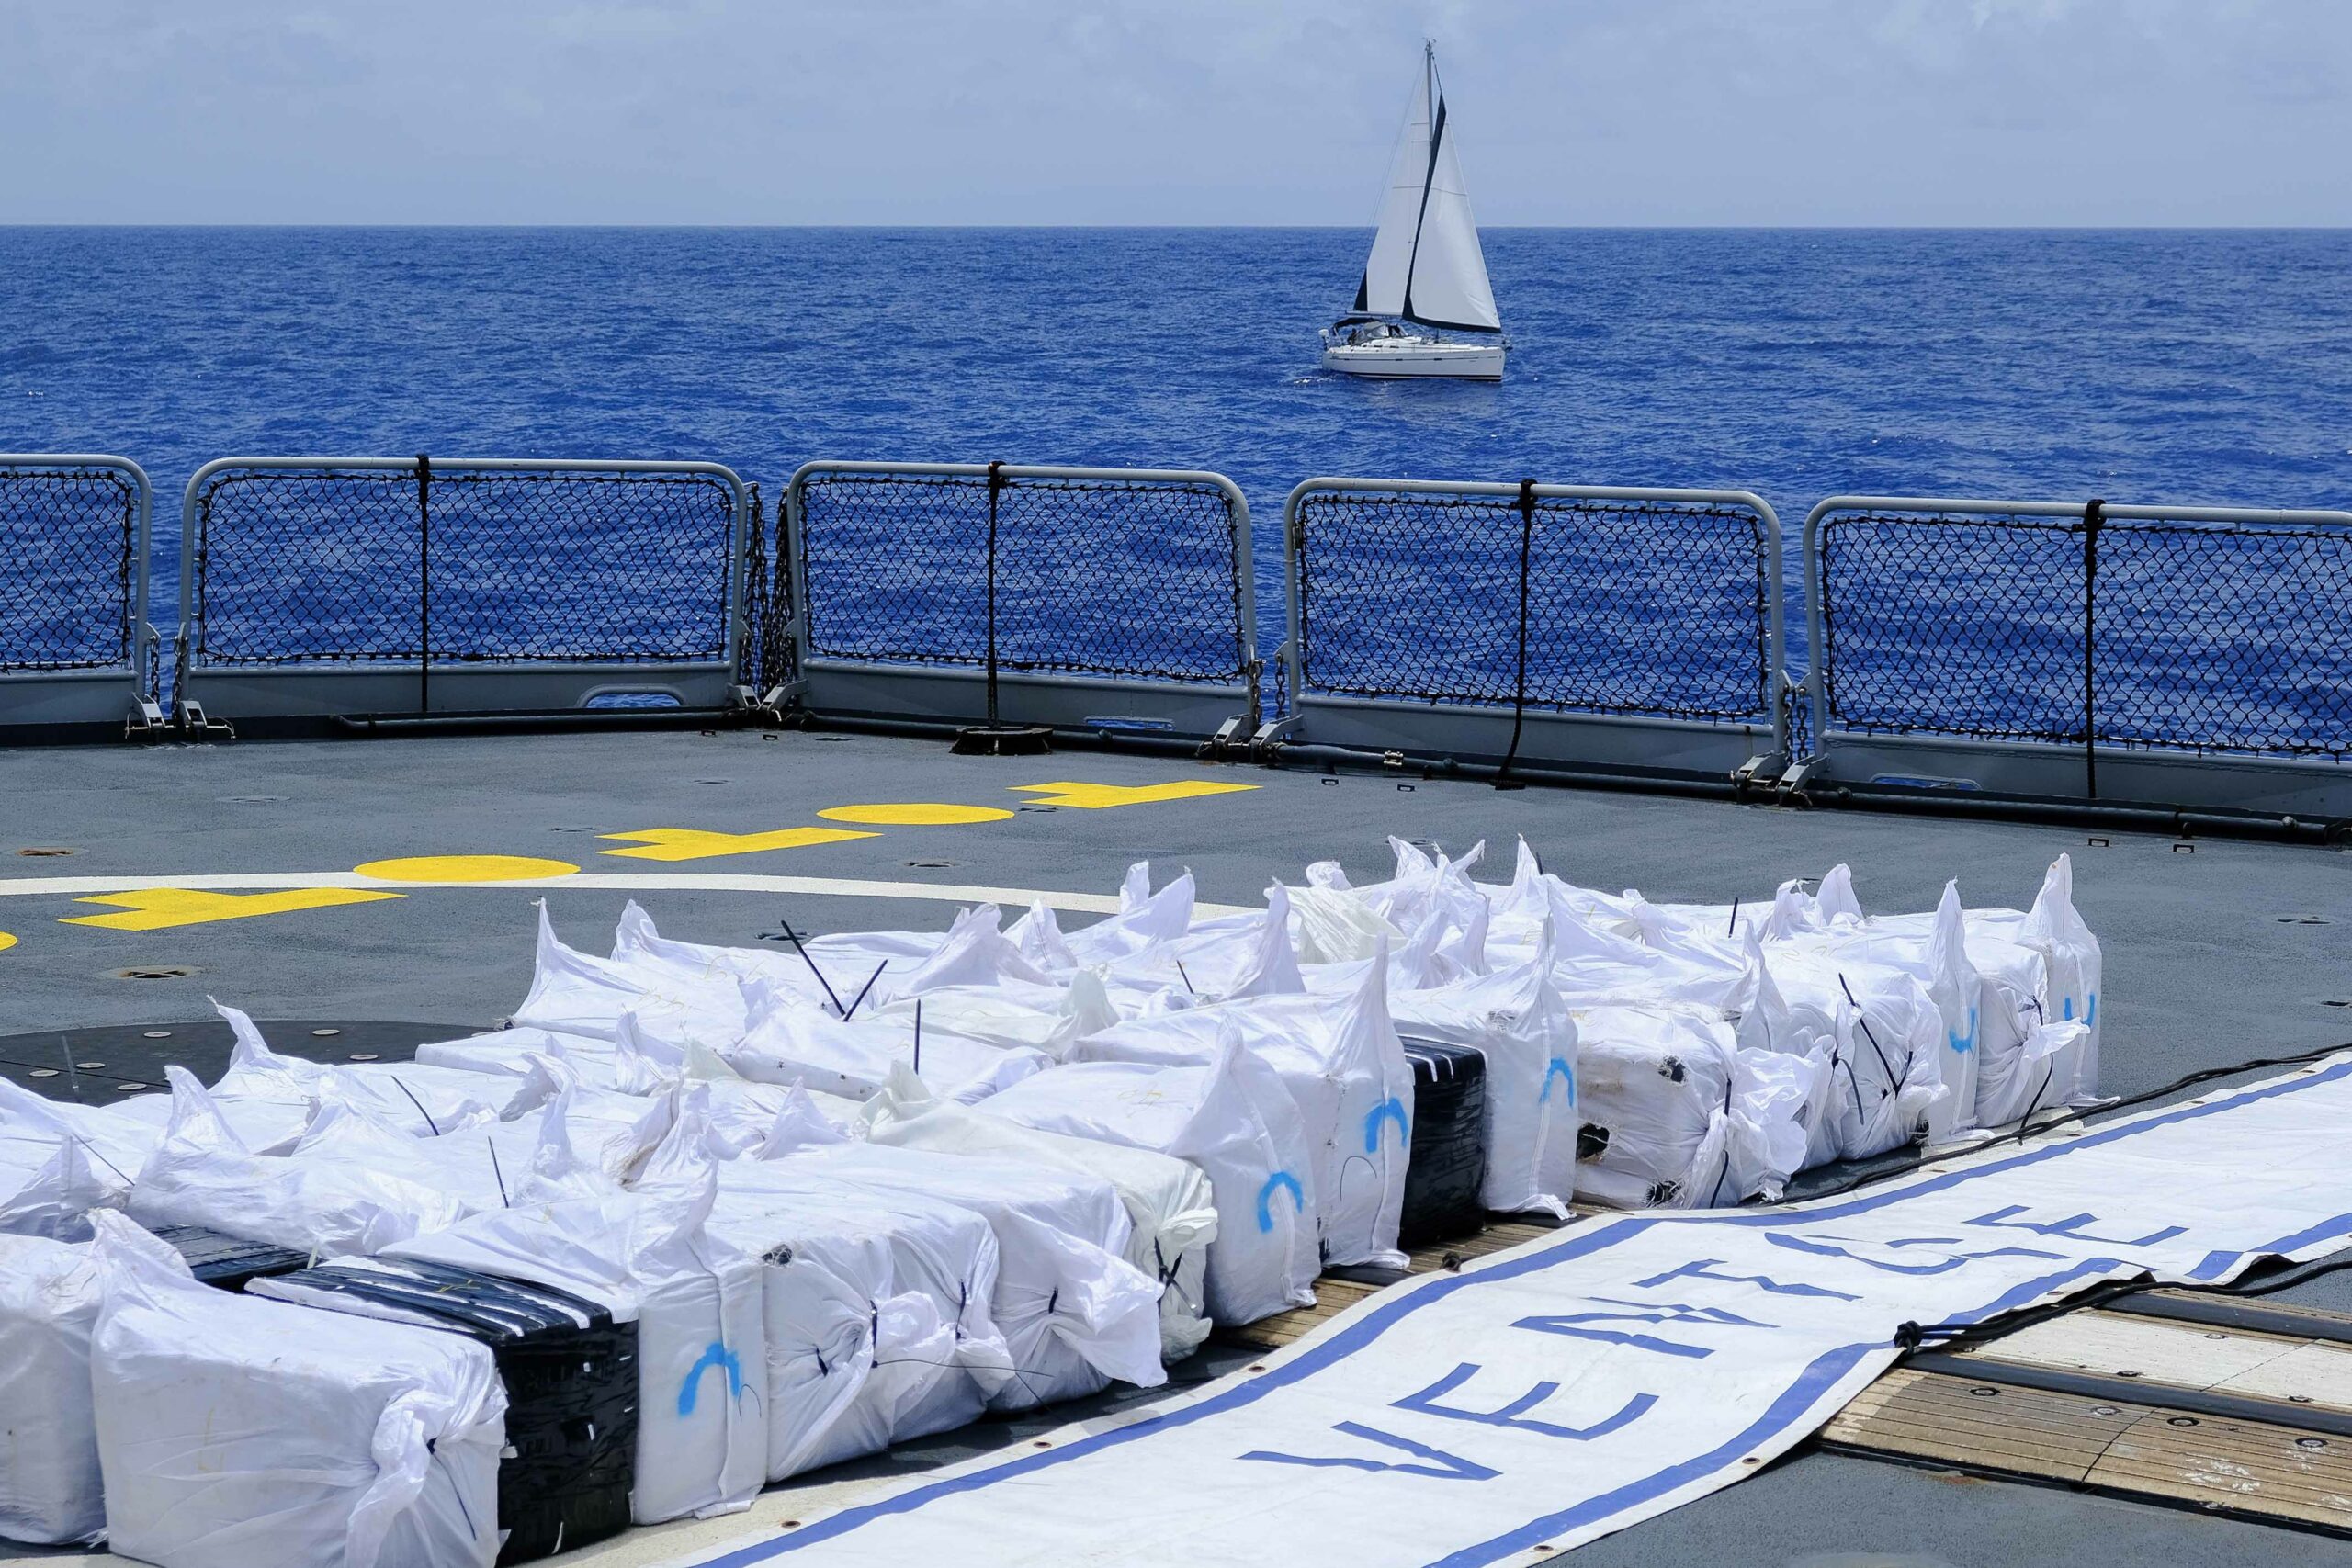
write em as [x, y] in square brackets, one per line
[914, 814]
[465, 868]
[159, 909]
[6, 942]
[1102, 797]
[618, 882]
[693, 843]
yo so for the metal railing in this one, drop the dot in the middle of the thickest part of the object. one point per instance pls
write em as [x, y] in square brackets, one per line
[75, 647]
[2190, 656]
[392, 586]
[1108, 600]
[1575, 626]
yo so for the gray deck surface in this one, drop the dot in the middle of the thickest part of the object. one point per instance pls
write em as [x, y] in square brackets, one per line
[2212, 957]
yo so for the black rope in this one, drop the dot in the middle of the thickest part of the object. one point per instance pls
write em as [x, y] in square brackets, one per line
[1518, 677]
[418, 1103]
[2188, 1080]
[797, 946]
[2094, 513]
[1963, 1336]
[424, 583]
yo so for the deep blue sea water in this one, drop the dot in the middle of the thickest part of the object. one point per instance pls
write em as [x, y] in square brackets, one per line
[2213, 366]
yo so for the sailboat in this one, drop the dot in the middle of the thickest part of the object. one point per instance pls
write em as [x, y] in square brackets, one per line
[1426, 276]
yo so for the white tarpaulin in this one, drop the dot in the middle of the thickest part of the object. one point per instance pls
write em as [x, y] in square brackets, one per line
[1589, 1381]
[49, 1489]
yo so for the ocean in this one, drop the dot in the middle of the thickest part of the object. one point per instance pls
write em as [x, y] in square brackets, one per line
[2208, 365]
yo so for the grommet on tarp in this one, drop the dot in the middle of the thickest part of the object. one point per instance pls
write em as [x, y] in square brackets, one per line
[1003, 740]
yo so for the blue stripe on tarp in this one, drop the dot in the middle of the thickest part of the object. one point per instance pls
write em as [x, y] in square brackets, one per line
[1818, 1378]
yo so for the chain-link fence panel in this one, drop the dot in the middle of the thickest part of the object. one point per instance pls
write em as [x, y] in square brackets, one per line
[1650, 607]
[1138, 576]
[71, 564]
[462, 563]
[2202, 632]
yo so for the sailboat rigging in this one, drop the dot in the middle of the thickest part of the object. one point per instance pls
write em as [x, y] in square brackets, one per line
[1426, 276]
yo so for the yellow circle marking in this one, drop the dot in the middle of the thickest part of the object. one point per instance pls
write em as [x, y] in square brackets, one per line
[6, 942]
[914, 814]
[465, 868]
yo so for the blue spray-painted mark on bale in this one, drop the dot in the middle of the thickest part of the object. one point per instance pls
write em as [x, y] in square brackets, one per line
[1558, 1068]
[1964, 1043]
[715, 1354]
[1389, 1110]
[1275, 1183]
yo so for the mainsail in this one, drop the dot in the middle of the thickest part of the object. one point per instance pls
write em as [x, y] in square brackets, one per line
[1426, 265]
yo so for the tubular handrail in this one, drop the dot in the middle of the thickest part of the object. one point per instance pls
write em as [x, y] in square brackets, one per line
[927, 642]
[1768, 632]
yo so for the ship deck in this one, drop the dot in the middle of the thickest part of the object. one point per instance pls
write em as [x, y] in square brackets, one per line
[382, 889]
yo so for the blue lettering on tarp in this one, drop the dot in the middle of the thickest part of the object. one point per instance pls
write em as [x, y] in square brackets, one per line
[1697, 1268]
[1557, 1068]
[1569, 1324]
[1963, 1043]
[1275, 1184]
[1443, 1466]
[2071, 1227]
[1828, 1247]
[1513, 1414]
[715, 1354]
[1389, 1110]
[2090, 1011]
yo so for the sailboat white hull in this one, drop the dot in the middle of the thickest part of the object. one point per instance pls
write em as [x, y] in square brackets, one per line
[1403, 357]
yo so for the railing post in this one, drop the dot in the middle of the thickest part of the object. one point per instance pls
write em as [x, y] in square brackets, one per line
[1518, 678]
[996, 488]
[2093, 515]
[424, 583]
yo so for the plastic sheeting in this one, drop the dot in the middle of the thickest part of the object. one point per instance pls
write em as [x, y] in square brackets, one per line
[788, 1043]
[234, 1431]
[1171, 1207]
[1345, 1068]
[50, 1488]
[51, 1174]
[929, 1362]
[579, 993]
[423, 1100]
[702, 1431]
[1075, 1314]
[1516, 1018]
[1222, 1118]
[201, 1174]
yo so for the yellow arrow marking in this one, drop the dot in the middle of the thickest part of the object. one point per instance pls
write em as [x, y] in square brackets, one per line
[1101, 797]
[158, 908]
[693, 843]
[6, 942]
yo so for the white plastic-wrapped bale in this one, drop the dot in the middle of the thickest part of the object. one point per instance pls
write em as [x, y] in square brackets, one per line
[1219, 1117]
[1344, 1066]
[1671, 1115]
[52, 1175]
[1516, 1019]
[645, 1258]
[568, 1369]
[51, 1493]
[1170, 1206]
[200, 1174]
[421, 1097]
[935, 1354]
[1880, 1031]
[234, 1431]
[579, 993]
[1074, 1312]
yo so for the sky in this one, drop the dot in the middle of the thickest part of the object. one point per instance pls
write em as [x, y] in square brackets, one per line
[1575, 112]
